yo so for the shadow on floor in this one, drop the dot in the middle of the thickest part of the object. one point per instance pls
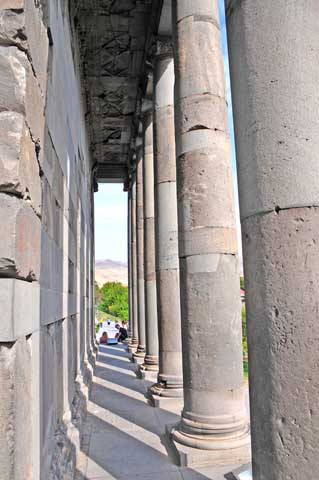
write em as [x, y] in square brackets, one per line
[124, 437]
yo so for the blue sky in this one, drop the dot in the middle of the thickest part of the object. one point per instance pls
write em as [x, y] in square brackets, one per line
[111, 201]
[110, 222]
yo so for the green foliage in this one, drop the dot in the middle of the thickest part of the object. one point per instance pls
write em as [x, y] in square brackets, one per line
[244, 329]
[114, 300]
[242, 283]
[98, 294]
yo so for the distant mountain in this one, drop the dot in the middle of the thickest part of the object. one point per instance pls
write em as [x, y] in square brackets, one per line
[110, 271]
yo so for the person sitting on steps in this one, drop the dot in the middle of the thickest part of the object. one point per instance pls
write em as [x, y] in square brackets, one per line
[104, 339]
[122, 333]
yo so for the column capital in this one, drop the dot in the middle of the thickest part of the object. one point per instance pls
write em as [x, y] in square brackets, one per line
[161, 47]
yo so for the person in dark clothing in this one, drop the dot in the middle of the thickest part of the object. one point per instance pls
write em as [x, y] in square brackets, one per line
[122, 333]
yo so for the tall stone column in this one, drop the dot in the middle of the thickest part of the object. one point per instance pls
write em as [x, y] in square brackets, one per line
[170, 376]
[151, 354]
[276, 98]
[129, 263]
[135, 327]
[214, 417]
[140, 353]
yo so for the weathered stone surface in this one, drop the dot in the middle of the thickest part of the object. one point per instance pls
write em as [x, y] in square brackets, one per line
[15, 408]
[12, 27]
[20, 307]
[140, 251]
[277, 140]
[19, 169]
[52, 215]
[11, 4]
[19, 91]
[166, 226]
[151, 352]
[20, 245]
[214, 416]
[271, 141]
[38, 41]
[170, 381]
[283, 335]
[164, 144]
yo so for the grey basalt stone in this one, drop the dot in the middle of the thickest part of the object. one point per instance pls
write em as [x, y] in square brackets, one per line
[214, 425]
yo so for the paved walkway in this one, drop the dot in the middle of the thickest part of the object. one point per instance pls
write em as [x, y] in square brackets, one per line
[124, 437]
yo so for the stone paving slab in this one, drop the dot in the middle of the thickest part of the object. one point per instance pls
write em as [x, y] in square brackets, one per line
[124, 436]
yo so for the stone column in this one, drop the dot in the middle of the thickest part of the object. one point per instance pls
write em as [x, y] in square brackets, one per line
[129, 263]
[135, 334]
[275, 73]
[151, 355]
[140, 353]
[170, 377]
[214, 417]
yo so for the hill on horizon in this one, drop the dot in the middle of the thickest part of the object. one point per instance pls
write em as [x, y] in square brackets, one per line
[110, 271]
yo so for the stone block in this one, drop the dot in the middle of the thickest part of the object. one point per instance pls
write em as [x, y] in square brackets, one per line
[139, 360]
[15, 408]
[20, 308]
[166, 233]
[52, 215]
[53, 371]
[14, 67]
[11, 4]
[19, 169]
[12, 23]
[209, 78]
[38, 42]
[148, 375]
[21, 239]
[52, 170]
[166, 403]
[19, 91]
[192, 457]
[132, 349]
[205, 10]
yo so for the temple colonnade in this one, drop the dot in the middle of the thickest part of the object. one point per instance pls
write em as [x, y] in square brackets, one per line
[198, 325]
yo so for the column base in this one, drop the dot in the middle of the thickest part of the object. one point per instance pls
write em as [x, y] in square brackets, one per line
[215, 451]
[151, 362]
[166, 403]
[138, 357]
[163, 396]
[146, 374]
[131, 348]
[163, 390]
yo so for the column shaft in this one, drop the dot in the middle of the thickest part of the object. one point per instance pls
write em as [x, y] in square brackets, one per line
[274, 51]
[214, 415]
[135, 337]
[140, 251]
[170, 377]
[151, 356]
[129, 263]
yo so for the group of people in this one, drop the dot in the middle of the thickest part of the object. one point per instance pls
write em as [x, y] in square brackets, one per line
[121, 335]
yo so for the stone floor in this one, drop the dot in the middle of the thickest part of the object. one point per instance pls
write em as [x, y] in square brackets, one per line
[124, 437]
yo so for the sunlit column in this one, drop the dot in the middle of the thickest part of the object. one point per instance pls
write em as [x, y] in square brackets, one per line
[170, 377]
[274, 47]
[151, 354]
[140, 353]
[214, 417]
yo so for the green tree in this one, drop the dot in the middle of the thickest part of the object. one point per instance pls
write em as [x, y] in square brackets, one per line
[98, 294]
[114, 300]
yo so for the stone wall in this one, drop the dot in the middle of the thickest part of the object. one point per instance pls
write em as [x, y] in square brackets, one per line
[46, 248]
